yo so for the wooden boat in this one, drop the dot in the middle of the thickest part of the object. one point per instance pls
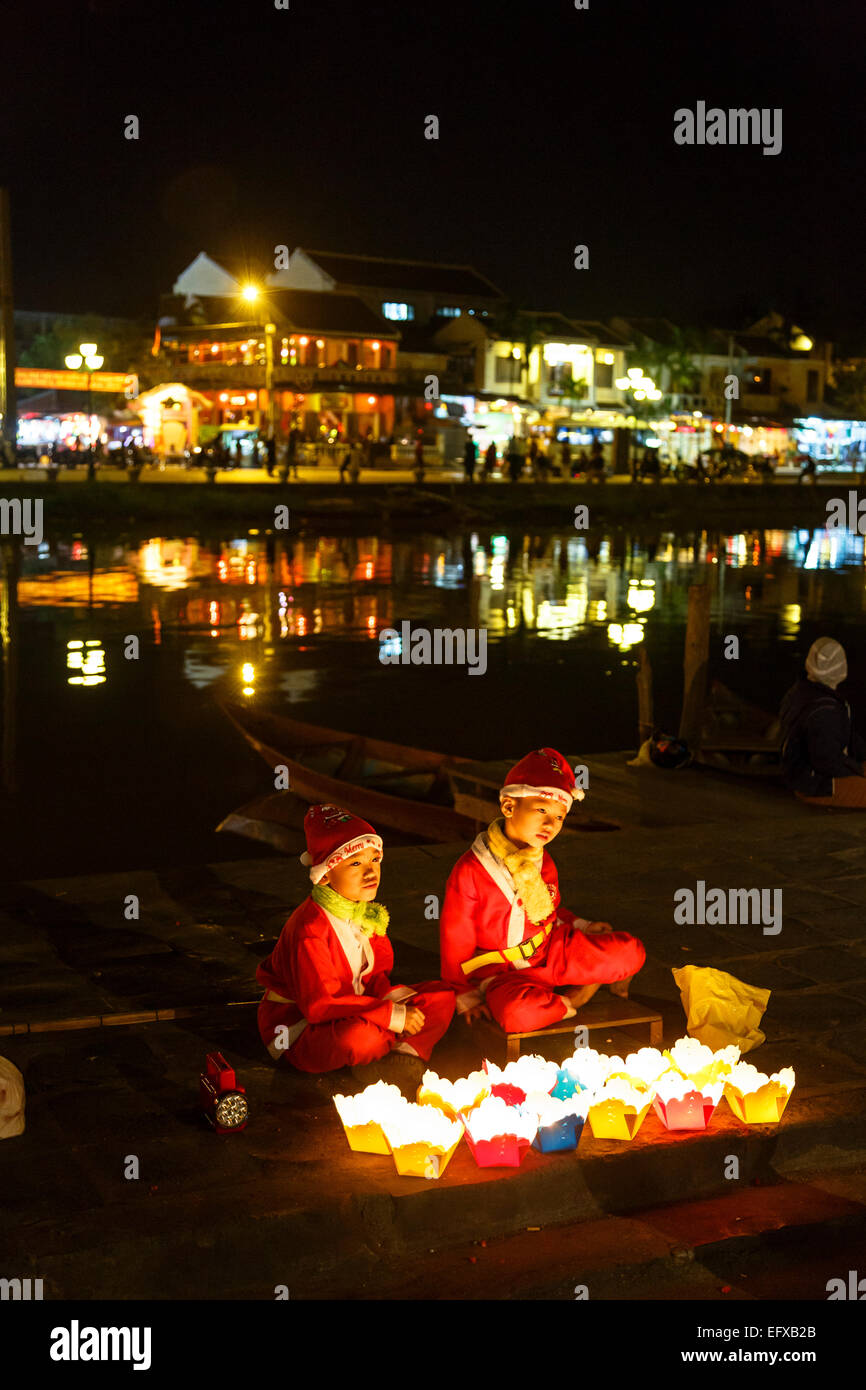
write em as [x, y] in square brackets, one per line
[415, 791]
[386, 783]
[738, 736]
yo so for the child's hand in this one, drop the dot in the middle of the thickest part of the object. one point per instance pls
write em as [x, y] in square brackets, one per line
[479, 1011]
[414, 1020]
[598, 927]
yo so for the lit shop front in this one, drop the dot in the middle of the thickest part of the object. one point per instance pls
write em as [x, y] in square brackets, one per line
[495, 420]
[173, 417]
[840, 443]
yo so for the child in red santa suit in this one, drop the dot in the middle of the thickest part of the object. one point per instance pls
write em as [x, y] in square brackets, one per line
[508, 948]
[328, 1000]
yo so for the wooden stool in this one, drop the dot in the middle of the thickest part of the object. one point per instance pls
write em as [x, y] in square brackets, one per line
[598, 1013]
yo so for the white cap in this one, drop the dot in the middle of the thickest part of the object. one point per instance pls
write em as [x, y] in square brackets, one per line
[827, 662]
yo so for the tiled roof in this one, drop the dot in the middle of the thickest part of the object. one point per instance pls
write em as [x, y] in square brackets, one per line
[379, 272]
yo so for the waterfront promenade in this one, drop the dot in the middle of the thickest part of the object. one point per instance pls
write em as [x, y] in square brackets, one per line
[286, 1202]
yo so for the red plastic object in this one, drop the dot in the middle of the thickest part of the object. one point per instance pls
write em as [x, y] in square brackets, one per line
[217, 1082]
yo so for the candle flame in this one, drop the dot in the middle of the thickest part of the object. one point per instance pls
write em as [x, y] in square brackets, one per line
[493, 1118]
[746, 1079]
[550, 1111]
[371, 1105]
[463, 1094]
[420, 1124]
[529, 1072]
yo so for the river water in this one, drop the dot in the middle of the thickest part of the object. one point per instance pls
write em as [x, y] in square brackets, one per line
[125, 761]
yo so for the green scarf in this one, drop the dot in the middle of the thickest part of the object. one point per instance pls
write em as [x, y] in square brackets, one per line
[524, 865]
[371, 918]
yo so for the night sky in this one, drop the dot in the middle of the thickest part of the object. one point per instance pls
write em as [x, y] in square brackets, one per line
[305, 127]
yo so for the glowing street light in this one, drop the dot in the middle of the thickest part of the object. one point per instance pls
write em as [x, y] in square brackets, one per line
[88, 356]
[250, 293]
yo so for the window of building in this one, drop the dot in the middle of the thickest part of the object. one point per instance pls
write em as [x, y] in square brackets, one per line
[603, 374]
[393, 310]
[811, 386]
[759, 383]
[507, 370]
[449, 313]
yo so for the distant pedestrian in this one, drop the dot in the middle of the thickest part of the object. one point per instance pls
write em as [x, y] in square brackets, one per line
[514, 459]
[292, 449]
[470, 458]
[271, 455]
[419, 459]
[356, 457]
[596, 462]
[565, 458]
[490, 461]
[239, 455]
[533, 459]
[809, 471]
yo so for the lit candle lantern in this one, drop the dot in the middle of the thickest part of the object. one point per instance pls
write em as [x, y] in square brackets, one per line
[681, 1104]
[362, 1116]
[589, 1067]
[643, 1066]
[567, 1084]
[619, 1109]
[560, 1122]
[422, 1139]
[700, 1063]
[754, 1097]
[453, 1096]
[499, 1134]
[513, 1082]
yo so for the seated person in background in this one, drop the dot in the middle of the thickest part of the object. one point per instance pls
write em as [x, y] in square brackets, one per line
[822, 755]
[328, 1000]
[508, 948]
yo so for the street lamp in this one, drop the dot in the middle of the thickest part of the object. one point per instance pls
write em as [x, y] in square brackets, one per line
[87, 355]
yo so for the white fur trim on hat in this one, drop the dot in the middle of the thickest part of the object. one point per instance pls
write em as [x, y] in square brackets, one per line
[343, 851]
[554, 793]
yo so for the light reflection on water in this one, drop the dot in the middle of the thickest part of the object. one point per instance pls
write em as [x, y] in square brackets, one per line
[295, 622]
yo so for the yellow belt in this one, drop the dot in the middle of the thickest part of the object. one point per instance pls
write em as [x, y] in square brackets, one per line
[522, 951]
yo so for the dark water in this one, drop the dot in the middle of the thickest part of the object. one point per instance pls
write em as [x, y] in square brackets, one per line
[130, 763]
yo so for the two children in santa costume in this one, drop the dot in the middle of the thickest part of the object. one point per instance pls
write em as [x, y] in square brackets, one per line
[509, 950]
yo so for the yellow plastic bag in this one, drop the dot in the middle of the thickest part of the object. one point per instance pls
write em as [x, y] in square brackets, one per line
[721, 1009]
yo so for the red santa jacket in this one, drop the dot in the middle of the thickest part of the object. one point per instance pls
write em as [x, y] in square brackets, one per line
[309, 967]
[477, 916]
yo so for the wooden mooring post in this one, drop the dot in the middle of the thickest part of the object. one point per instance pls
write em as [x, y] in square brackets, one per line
[695, 662]
[644, 678]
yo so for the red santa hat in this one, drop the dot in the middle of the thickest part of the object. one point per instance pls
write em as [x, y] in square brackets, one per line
[543, 773]
[332, 835]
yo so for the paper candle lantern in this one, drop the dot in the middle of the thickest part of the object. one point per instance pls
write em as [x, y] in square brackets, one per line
[754, 1097]
[643, 1066]
[514, 1082]
[560, 1122]
[422, 1139]
[362, 1116]
[499, 1134]
[453, 1096]
[567, 1084]
[590, 1068]
[619, 1109]
[699, 1062]
[680, 1104]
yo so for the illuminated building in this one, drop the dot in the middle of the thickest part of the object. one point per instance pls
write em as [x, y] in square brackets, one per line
[330, 358]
